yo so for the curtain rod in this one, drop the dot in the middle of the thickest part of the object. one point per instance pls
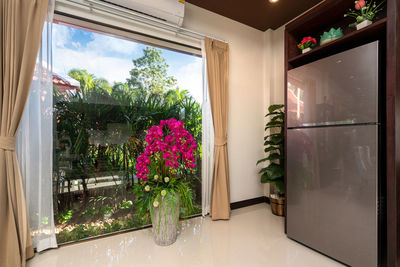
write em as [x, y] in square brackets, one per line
[143, 19]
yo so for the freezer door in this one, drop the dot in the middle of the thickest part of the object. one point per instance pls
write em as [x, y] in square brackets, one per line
[332, 191]
[339, 89]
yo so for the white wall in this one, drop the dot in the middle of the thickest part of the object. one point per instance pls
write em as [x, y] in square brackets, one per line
[256, 81]
[278, 76]
[274, 75]
[246, 96]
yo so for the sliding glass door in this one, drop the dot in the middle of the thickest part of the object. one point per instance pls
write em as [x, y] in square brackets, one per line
[107, 92]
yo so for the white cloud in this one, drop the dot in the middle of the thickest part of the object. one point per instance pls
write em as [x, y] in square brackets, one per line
[190, 78]
[97, 56]
[104, 44]
[76, 44]
[111, 68]
[62, 35]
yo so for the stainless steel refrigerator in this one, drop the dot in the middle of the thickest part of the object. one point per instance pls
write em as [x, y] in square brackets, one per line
[333, 155]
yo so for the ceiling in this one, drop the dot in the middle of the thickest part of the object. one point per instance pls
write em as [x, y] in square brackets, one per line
[259, 14]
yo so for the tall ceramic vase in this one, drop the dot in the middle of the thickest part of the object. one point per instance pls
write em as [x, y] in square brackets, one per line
[165, 219]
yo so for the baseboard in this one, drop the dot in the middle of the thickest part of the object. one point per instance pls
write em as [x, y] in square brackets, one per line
[249, 202]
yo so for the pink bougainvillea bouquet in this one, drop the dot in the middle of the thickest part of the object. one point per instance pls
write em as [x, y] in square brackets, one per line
[169, 156]
[307, 42]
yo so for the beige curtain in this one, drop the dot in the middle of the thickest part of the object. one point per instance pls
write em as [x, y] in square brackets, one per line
[20, 32]
[217, 74]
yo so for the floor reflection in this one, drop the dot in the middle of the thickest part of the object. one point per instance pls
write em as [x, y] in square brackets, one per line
[253, 237]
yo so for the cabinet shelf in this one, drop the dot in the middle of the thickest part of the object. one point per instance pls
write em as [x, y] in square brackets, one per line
[368, 34]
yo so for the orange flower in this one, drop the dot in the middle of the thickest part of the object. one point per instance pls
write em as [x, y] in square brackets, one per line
[360, 4]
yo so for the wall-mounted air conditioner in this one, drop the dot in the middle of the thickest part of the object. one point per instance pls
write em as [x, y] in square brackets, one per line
[171, 11]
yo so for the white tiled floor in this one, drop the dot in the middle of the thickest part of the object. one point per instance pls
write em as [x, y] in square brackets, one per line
[253, 237]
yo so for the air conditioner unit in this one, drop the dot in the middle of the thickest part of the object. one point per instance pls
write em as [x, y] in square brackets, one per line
[171, 11]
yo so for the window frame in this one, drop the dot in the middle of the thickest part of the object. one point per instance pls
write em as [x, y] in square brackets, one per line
[117, 30]
[129, 35]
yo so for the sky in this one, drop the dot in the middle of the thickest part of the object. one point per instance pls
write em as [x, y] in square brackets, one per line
[111, 58]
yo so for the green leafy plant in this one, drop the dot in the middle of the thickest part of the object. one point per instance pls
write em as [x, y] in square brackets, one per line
[89, 230]
[365, 10]
[65, 216]
[106, 210]
[274, 143]
[90, 212]
[125, 204]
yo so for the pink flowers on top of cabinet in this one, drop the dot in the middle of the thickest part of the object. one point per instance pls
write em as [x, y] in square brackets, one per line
[307, 44]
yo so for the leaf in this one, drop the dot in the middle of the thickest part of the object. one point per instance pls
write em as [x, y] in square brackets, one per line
[265, 179]
[269, 143]
[274, 156]
[261, 160]
[273, 108]
[274, 140]
[280, 117]
[280, 186]
[270, 148]
[272, 113]
[271, 135]
[272, 172]
[274, 124]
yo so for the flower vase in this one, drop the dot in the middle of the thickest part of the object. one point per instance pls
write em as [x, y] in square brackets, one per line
[165, 219]
[363, 24]
[308, 49]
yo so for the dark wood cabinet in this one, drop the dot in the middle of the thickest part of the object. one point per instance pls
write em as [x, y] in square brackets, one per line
[386, 29]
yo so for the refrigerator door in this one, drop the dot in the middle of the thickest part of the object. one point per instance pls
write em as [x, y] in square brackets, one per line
[340, 89]
[332, 191]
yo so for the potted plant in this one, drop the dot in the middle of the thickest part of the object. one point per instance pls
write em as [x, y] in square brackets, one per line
[274, 146]
[307, 44]
[365, 13]
[162, 190]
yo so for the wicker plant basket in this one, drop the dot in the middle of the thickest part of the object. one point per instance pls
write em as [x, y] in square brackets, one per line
[277, 205]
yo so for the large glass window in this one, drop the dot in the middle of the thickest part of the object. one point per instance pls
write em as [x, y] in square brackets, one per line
[107, 92]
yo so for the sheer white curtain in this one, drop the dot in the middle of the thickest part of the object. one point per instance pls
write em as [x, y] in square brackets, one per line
[35, 144]
[207, 141]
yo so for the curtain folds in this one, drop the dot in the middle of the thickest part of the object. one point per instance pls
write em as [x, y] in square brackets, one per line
[207, 141]
[217, 74]
[35, 144]
[20, 33]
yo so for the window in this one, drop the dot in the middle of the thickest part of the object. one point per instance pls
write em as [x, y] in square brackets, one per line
[107, 92]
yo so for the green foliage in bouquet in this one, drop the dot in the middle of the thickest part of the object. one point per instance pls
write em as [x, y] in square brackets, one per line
[364, 10]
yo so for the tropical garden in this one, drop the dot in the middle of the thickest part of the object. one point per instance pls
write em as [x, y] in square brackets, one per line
[99, 132]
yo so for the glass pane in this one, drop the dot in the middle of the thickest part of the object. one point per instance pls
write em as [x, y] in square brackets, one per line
[107, 92]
